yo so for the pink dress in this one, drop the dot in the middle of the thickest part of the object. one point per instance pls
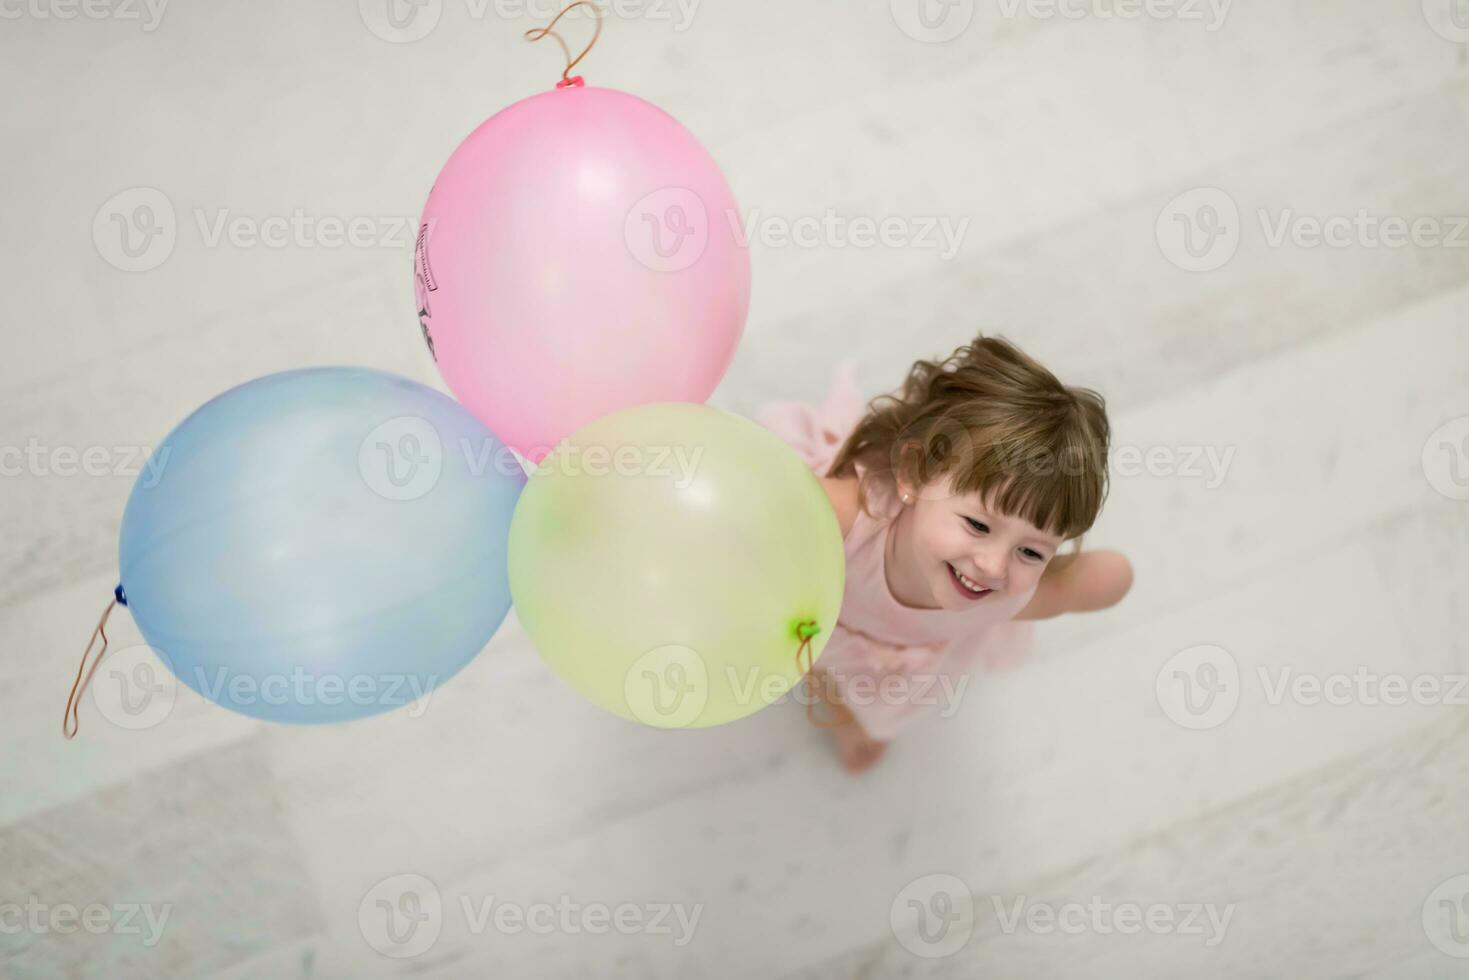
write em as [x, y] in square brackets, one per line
[891, 662]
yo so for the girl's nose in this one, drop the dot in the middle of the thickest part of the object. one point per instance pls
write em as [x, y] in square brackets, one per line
[992, 565]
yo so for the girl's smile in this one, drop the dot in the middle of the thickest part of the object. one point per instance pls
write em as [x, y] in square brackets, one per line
[967, 587]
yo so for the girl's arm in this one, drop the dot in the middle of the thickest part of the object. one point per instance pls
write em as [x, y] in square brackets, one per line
[845, 499]
[1081, 582]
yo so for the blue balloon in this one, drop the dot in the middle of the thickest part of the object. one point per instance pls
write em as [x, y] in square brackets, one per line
[321, 545]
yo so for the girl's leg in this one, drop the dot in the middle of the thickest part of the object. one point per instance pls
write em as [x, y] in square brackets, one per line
[857, 750]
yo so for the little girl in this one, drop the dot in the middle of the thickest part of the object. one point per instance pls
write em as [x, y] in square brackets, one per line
[953, 497]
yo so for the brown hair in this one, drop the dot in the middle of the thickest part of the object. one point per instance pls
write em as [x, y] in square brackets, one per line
[1000, 422]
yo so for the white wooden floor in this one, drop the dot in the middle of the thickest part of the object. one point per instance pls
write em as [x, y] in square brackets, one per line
[1083, 815]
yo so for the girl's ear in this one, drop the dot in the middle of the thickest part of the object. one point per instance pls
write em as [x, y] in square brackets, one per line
[904, 466]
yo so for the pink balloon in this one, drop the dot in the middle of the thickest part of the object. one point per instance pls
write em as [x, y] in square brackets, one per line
[579, 253]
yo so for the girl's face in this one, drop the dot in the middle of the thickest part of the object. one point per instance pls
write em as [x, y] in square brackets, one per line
[943, 539]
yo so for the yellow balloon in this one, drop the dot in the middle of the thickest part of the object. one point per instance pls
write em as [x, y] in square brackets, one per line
[668, 559]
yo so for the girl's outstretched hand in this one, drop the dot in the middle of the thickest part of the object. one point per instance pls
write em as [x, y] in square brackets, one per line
[1082, 582]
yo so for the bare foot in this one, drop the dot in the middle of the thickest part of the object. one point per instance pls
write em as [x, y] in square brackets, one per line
[857, 750]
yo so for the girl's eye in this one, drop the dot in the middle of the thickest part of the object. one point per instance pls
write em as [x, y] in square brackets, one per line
[983, 528]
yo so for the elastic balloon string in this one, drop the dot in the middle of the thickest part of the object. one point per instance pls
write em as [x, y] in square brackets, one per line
[79, 686]
[806, 630]
[537, 33]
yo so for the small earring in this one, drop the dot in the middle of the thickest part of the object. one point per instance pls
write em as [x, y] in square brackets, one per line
[907, 498]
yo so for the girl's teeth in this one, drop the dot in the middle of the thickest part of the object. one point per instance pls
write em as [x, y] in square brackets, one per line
[971, 586]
